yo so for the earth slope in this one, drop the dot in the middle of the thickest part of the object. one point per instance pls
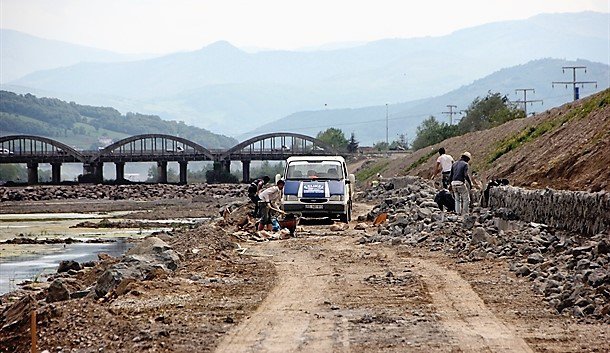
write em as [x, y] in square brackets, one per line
[562, 148]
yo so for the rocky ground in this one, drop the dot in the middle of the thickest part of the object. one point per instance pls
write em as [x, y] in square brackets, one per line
[419, 281]
[571, 271]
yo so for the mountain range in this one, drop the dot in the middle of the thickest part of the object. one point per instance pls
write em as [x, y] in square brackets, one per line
[230, 91]
[369, 123]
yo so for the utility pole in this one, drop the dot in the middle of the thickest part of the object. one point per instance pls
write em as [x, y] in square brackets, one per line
[525, 101]
[450, 113]
[386, 126]
[574, 83]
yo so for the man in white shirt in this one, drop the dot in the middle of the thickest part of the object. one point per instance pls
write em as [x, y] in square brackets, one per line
[443, 164]
[267, 197]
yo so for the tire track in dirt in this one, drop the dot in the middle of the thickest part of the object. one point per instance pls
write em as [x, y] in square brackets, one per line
[464, 314]
[288, 319]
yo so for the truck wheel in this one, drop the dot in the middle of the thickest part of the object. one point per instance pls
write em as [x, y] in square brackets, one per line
[346, 217]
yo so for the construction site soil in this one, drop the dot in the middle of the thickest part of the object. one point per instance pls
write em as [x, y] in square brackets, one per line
[563, 148]
[320, 291]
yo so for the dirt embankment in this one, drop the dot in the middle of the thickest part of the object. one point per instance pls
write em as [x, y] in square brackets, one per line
[562, 148]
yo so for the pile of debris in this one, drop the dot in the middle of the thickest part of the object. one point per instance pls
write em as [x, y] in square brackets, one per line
[570, 270]
[121, 192]
[239, 222]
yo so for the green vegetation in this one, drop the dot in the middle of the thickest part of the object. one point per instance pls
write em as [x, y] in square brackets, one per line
[352, 146]
[268, 169]
[531, 133]
[334, 137]
[482, 114]
[81, 124]
[420, 161]
[368, 172]
[431, 131]
[13, 172]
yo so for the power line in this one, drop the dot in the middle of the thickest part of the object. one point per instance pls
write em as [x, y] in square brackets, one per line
[386, 124]
[574, 83]
[525, 101]
[450, 113]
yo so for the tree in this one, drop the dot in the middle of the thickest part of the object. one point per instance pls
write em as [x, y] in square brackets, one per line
[267, 169]
[430, 131]
[352, 146]
[13, 172]
[485, 113]
[334, 137]
[220, 176]
[153, 175]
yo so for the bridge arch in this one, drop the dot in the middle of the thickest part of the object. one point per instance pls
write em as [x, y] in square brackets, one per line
[24, 148]
[278, 145]
[151, 147]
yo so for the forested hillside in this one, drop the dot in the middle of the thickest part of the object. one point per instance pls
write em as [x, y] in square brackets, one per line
[83, 125]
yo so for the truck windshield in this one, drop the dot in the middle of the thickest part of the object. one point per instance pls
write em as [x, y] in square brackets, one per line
[315, 170]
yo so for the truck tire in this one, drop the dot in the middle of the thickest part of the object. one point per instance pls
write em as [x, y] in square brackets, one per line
[347, 216]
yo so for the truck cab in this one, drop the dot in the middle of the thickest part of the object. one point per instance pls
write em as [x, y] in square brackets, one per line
[318, 186]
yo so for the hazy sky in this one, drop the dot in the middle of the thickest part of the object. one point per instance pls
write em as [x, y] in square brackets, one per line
[162, 26]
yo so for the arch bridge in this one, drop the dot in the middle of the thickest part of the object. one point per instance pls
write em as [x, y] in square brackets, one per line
[159, 148]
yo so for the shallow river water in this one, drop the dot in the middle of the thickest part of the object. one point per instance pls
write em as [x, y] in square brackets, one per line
[20, 262]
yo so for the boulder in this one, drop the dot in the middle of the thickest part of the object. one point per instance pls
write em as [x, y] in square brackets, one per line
[68, 265]
[535, 258]
[57, 291]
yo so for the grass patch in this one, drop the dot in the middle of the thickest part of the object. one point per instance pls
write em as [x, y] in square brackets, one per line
[420, 161]
[533, 132]
[366, 173]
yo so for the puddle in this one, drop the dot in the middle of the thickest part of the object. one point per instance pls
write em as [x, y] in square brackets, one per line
[14, 270]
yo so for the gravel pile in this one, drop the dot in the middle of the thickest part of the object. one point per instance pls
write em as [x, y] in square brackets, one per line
[121, 192]
[571, 271]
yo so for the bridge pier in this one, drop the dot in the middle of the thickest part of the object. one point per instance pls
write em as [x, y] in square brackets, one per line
[55, 173]
[245, 168]
[32, 173]
[183, 171]
[162, 172]
[98, 171]
[120, 171]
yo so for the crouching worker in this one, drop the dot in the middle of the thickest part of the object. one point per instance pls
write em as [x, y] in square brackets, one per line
[268, 197]
[445, 200]
[254, 189]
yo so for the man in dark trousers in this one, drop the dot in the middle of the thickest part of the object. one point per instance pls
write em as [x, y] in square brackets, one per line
[443, 165]
[461, 184]
[254, 189]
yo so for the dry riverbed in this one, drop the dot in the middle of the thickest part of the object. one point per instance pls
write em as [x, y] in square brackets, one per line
[321, 291]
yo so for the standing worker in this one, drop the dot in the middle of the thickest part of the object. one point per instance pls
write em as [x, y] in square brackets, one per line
[253, 191]
[267, 197]
[459, 177]
[443, 165]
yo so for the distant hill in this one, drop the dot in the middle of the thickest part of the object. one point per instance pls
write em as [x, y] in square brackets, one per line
[89, 127]
[368, 124]
[24, 54]
[223, 88]
[563, 148]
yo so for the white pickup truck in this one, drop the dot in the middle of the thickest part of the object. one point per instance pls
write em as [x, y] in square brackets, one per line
[318, 186]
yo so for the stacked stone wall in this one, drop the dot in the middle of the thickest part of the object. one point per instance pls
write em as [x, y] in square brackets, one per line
[578, 211]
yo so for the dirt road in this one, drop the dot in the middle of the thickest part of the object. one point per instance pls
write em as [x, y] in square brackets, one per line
[334, 295]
